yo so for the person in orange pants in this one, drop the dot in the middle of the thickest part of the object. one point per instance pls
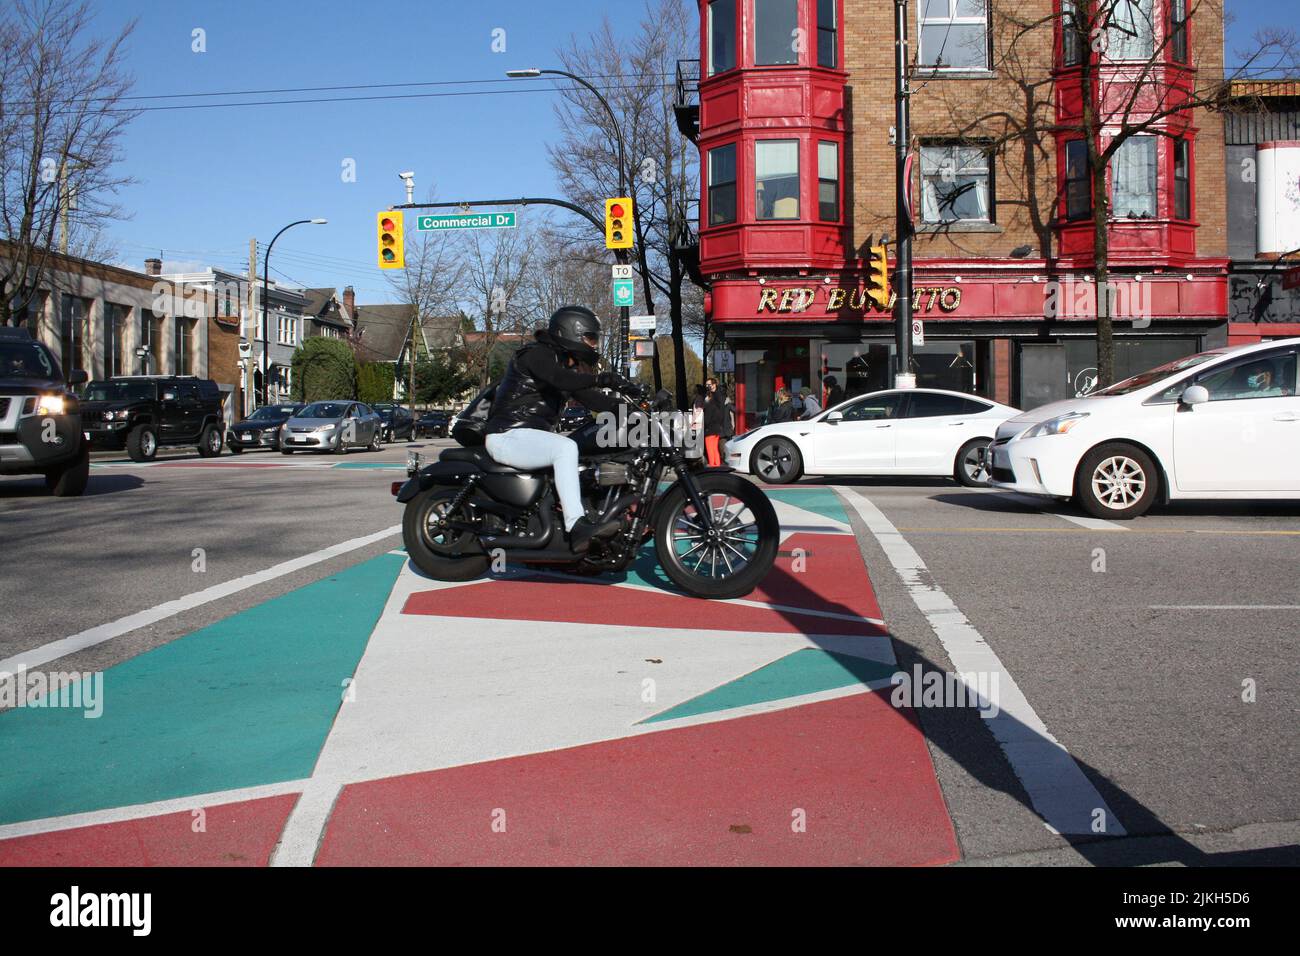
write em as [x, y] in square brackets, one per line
[715, 422]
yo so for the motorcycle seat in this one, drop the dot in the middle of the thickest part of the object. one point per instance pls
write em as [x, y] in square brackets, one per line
[479, 457]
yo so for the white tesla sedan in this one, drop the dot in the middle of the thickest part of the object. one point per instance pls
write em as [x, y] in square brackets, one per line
[1220, 424]
[919, 431]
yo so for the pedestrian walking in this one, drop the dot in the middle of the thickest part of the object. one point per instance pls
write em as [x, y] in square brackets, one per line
[782, 408]
[811, 407]
[834, 394]
[715, 422]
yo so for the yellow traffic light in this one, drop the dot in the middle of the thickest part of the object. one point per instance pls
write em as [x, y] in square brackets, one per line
[878, 278]
[618, 223]
[392, 252]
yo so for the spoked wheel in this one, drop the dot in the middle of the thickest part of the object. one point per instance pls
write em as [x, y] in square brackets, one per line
[440, 552]
[1116, 480]
[726, 555]
[777, 461]
[972, 465]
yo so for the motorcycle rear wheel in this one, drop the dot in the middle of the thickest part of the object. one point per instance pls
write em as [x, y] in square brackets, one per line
[737, 557]
[430, 547]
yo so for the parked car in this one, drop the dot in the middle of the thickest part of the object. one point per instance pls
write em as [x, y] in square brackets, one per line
[919, 431]
[435, 424]
[1219, 424]
[40, 420]
[397, 422]
[143, 413]
[260, 429]
[332, 426]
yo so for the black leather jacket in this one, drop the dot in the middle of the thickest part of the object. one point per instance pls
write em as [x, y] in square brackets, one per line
[535, 388]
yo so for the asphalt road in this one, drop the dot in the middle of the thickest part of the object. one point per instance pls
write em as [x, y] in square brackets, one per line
[1160, 653]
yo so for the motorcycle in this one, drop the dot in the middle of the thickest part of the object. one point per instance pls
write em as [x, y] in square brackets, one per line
[715, 534]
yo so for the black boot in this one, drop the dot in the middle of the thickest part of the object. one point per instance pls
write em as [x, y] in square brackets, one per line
[585, 530]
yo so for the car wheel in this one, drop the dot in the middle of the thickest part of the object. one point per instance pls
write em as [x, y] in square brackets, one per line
[342, 447]
[285, 451]
[234, 449]
[971, 467]
[210, 442]
[777, 461]
[142, 443]
[70, 480]
[376, 443]
[1116, 481]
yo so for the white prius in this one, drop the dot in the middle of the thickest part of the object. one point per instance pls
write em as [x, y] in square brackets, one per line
[919, 431]
[1219, 424]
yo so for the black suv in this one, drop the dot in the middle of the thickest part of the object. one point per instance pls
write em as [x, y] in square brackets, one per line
[40, 425]
[433, 423]
[143, 413]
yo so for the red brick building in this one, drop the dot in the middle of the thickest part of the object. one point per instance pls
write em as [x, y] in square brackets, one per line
[794, 122]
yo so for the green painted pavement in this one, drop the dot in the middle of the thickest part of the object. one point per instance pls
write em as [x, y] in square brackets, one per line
[822, 501]
[246, 701]
[803, 672]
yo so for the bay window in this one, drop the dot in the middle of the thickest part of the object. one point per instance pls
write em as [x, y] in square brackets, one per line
[1178, 30]
[722, 36]
[776, 179]
[1182, 179]
[776, 25]
[1072, 41]
[826, 27]
[1078, 185]
[828, 182]
[1133, 179]
[722, 185]
[1129, 30]
[954, 34]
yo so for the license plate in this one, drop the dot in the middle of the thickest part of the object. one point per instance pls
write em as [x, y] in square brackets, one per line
[86, 435]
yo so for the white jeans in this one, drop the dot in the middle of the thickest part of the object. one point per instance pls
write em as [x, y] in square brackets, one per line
[531, 448]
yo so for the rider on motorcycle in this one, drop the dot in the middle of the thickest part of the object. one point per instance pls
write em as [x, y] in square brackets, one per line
[542, 376]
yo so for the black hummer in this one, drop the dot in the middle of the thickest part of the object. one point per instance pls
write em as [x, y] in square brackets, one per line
[143, 413]
[40, 426]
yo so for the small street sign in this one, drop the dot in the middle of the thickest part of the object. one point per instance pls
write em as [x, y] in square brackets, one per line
[622, 271]
[624, 295]
[724, 360]
[470, 220]
[918, 332]
[642, 324]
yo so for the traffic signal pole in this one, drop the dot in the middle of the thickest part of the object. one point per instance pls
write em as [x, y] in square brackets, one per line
[903, 377]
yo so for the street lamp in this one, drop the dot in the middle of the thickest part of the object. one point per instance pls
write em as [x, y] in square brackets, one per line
[266, 328]
[619, 254]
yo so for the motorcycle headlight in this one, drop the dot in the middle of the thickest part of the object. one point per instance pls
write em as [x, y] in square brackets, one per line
[49, 405]
[1056, 426]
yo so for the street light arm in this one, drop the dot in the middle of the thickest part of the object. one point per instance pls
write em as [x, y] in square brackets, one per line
[266, 292]
[613, 119]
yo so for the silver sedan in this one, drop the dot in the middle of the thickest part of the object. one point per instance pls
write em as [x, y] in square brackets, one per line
[332, 426]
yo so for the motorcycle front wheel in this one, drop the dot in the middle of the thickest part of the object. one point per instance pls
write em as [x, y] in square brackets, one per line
[442, 553]
[728, 559]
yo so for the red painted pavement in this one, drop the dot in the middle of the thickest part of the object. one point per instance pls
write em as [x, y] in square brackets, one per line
[833, 576]
[721, 793]
[236, 834]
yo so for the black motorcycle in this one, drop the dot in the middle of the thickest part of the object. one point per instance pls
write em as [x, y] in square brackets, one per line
[715, 533]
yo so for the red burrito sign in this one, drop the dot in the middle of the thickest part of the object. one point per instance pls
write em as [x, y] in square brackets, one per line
[838, 299]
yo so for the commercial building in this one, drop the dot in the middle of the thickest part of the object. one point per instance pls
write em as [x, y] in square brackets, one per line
[792, 107]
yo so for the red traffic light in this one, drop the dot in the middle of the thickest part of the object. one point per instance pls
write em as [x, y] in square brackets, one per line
[616, 210]
[388, 225]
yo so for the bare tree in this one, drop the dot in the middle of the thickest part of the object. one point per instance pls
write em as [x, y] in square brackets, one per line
[61, 122]
[495, 268]
[636, 76]
[1137, 75]
[563, 274]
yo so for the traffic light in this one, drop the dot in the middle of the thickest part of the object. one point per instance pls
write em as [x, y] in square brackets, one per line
[878, 278]
[618, 223]
[392, 253]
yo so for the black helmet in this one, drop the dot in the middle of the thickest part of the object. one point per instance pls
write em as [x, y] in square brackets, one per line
[575, 329]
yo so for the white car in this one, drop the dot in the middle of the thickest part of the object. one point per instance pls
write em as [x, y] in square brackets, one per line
[1220, 424]
[918, 431]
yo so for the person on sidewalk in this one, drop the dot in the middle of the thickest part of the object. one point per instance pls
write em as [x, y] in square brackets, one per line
[715, 422]
[811, 407]
[782, 408]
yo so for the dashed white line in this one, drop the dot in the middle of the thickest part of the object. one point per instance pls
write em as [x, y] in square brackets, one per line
[1058, 789]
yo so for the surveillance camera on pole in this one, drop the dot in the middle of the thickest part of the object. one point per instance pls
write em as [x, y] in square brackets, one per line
[408, 178]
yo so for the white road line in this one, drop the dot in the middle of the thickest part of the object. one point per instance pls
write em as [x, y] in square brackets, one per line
[305, 827]
[1096, 524]
[1060, 792]
[132, 622]
[1223, 607]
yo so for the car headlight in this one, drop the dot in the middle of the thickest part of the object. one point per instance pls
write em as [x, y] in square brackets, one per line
[49, 405]
[119, 413]
[1056, 426]
[327, 428]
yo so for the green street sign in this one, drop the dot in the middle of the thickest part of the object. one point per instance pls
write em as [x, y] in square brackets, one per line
[623, 292]
[466, 220]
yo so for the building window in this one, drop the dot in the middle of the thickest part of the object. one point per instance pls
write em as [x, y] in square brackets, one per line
[118, 318]
[1182, 179]
[1129, 33]
[827, 48]
[1072, 42]
[828, 182]
[1133, 179]
[954, 34]
[151, 335]
[1078, 188]
[955, 184]
[1178, 30]
[73, 329]
[776, 178]
[184, 346]
[722, 185]
[776, 33]
[722, 36]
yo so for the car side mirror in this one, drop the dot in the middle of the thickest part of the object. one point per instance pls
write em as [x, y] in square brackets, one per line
[78, 377]
[834, 418]
[1195, 395]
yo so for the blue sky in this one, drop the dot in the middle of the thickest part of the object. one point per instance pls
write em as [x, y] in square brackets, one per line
[209, 179]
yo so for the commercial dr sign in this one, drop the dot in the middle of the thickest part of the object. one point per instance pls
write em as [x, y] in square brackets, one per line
[837, 299]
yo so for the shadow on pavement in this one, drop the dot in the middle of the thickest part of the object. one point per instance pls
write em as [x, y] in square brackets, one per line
[98, 484]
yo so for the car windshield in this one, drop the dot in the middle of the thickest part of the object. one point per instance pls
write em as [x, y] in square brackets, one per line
[119, 392]
[324, 410]
[26, 360]
[1157, 374]
[273, 411]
